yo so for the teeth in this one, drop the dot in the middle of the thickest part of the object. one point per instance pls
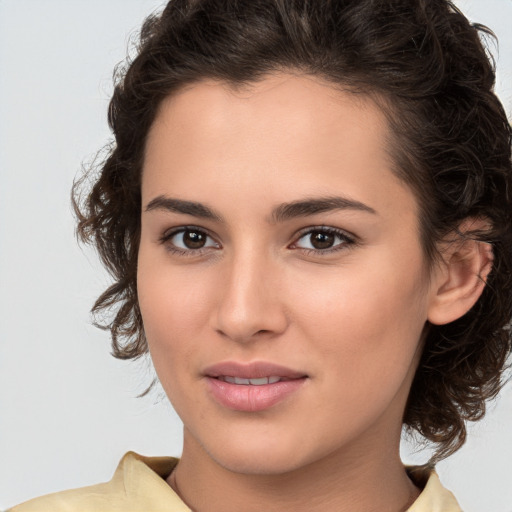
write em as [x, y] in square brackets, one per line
[251, 382]
[258, 382]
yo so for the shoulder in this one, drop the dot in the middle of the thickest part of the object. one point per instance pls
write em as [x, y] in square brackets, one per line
[138, 484]
[434, 497]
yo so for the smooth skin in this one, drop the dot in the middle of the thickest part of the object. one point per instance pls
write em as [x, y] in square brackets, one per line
[337, 290]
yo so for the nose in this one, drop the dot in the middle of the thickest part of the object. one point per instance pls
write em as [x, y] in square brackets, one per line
[250, 304]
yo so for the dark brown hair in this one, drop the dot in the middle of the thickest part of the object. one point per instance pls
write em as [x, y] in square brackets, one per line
[429, 70]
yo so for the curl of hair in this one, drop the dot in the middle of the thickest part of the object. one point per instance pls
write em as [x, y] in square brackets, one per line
[429, 70]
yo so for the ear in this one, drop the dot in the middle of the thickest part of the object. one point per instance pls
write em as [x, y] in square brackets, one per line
[461, 275]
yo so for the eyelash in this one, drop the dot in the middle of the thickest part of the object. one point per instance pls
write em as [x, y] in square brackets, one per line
[347, 240]
[168, 235]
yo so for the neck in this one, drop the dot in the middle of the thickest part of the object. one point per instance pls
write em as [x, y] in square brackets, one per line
[349, 481]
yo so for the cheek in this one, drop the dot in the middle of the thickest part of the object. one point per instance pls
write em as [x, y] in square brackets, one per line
[365, 317]
[362, 333]
[175, 307]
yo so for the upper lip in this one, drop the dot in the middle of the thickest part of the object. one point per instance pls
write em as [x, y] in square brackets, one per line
[255, 370]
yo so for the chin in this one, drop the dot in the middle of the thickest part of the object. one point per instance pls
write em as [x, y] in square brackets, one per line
[262, 454]
[261, 463]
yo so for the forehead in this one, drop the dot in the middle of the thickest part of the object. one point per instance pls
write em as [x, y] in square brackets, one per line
[279, 102]
[284, 136]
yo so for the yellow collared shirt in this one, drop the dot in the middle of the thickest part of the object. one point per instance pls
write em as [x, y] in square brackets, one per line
[139, 485]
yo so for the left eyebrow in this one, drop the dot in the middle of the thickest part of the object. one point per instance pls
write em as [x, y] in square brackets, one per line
[306, 207]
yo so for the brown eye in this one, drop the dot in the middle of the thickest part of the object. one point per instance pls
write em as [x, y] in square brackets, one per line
[188, 240]
[322, 240]
[194, 239]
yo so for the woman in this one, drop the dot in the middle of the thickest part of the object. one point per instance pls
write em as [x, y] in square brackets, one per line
[306, 213]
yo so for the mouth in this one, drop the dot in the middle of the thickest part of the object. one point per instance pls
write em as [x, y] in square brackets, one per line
[252, 382]
[252, 373]
[252, 387]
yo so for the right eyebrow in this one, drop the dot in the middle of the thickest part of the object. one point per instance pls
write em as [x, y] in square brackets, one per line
[180, 206]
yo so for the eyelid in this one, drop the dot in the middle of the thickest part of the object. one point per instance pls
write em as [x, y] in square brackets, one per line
[167, 235]
[348, 239]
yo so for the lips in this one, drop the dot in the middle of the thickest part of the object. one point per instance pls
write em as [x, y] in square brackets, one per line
[252, 387]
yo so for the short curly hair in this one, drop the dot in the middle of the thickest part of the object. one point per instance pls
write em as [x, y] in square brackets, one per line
[429, 70]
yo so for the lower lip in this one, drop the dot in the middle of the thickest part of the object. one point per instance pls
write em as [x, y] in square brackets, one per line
[250, 398]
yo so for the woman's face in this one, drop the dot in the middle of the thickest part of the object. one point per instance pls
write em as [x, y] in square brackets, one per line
[281, 279]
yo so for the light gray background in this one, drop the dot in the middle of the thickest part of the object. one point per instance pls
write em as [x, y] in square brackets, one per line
[67, 409]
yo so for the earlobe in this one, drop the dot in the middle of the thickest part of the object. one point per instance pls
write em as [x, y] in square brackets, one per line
[461, 276]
